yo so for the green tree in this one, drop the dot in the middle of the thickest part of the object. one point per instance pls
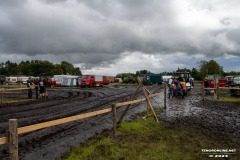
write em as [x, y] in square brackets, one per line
[57, 70]
[12, 68]
[195, 74]
[142, 72]
[123, 75]
[24, 68]
[210, 68]
[67, 67]
[77, 71]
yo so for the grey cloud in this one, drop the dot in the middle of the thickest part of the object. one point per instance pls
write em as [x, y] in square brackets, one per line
[12, 3]
[98, 31]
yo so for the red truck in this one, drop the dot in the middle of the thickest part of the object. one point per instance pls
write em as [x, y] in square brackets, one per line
[91, 80]
[211, 78]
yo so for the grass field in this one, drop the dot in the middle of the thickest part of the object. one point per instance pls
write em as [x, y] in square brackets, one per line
[227, 98]
[146, 140]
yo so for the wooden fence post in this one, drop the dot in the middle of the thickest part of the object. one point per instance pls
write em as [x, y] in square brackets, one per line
[203, 91]
[1, 96]
[13, 139]
[149, 105]
[165, 95]
[217, 89]
[114, 112]
[132, 98]
[36, 90]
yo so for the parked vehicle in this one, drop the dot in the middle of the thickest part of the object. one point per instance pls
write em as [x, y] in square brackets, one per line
[235, 82]
[211, 78]
[22, 79]
[2, 79]
[129, 80]
[91, 80]
[166, 78]
[229, 78]
[149, 79]
[11, 80]
[118, 80]
[108, 78]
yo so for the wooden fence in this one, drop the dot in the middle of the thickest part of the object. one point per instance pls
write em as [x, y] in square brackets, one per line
[216, 89]
[9, 90]
[13, 130]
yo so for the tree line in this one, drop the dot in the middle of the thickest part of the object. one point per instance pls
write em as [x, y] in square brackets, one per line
[203, 69]
[37, 68]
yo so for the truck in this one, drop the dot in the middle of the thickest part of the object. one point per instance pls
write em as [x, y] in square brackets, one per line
[234, 82]
[150, 79]
[91, 80]
[211, 78]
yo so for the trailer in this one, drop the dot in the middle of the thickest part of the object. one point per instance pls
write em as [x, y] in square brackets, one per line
[91, 80]
[166, 78]
[108, 78]
[22, 79]
[150, 79]
[12, 80]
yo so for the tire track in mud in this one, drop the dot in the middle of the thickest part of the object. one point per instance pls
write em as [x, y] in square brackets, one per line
[218, 119]
[56, 109]
[40, 140]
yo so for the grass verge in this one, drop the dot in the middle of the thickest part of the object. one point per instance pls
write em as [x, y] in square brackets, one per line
[146, 140]
[227, 98]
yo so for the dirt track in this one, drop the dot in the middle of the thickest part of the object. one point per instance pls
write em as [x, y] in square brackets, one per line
[220, 119]
[51, 142]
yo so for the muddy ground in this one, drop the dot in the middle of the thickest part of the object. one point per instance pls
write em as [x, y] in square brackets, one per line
[220, 119]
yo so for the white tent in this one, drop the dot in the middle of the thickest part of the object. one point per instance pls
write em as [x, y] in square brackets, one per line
[66, 80]
[70, 81]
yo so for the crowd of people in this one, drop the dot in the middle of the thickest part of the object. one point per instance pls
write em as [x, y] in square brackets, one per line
[40, 86]
[177, 87]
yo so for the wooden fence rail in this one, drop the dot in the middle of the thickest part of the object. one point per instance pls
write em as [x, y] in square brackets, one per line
[30, 128]
[216, 90]
[6, 90]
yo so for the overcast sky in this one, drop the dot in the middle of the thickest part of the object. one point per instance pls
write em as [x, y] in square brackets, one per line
[115, 36]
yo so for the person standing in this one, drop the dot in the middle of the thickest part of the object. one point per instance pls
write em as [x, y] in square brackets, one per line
[29, 86]
[184, 87]
[170, 91]
[42, 87]
[45, 83]
[179, 88]
[207, 85]
[36, 83]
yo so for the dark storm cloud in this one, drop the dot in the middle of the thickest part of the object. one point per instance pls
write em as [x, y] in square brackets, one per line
[12, 3]
[97, 31]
